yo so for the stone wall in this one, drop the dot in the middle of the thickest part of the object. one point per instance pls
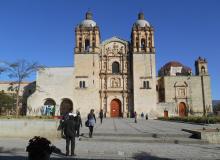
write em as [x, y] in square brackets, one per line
[145, 99]
[86, 69]
[28, 128]
[193, 96]
[51, 83]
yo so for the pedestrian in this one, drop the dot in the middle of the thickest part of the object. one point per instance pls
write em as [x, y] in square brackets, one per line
[146, 116]
[101, 115]
[70, 133]
[92, 121]
[64, 117]
[78, 123]
[135, 117]
[142, 115]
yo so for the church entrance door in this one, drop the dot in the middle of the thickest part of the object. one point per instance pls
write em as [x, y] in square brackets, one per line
[182, 110]
[66, 106]
[115, 108]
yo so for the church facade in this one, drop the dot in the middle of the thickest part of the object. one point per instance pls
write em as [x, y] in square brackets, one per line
[119, 77]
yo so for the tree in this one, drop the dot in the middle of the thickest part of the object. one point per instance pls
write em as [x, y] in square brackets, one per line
[2, 68]
[216, 108]
[7, 102]
[19, 71]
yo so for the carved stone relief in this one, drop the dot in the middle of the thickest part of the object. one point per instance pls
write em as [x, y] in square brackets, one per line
[115, 82]
[181, 92]
[114, 49]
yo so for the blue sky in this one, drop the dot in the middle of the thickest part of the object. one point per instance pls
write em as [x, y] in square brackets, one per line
[43, 30]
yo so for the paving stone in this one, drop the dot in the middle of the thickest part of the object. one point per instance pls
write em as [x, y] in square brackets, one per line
[97, 148]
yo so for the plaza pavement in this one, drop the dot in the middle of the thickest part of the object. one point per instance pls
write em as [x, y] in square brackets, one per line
[124, 139]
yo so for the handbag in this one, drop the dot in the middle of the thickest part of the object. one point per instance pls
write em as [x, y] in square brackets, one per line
[87, 123]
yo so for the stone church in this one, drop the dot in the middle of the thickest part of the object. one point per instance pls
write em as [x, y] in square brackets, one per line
[120, 77]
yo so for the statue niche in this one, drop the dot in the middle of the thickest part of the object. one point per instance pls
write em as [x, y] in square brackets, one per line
[115, 82]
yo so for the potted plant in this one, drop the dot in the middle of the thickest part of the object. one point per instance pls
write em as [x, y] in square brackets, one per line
[39, 148]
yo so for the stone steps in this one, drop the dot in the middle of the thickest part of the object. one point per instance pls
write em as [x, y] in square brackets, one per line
[133, 139]
[154, 135]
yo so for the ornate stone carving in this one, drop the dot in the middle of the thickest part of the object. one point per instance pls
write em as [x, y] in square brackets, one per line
[115, 82]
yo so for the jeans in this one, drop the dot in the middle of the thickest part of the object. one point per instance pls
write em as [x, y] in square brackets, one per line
[77, 130]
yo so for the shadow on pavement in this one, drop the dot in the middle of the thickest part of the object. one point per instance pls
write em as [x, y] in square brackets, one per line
[13, 158]
[25, 158]
[147, 156]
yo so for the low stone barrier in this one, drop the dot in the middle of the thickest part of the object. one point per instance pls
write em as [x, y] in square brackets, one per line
[27, 128]
[209, 135]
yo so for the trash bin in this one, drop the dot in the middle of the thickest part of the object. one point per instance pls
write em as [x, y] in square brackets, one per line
[165, 114]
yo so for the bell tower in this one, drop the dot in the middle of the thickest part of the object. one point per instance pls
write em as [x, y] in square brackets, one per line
[143, 67]
[87, 36]
[86, 64]
[142, 36]
[201, 66]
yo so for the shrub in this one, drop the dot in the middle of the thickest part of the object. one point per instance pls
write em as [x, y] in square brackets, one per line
[194, 119]
[39, 148]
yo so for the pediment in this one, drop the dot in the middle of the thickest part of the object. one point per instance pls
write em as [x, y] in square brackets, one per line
[114, 39]
[114, 46]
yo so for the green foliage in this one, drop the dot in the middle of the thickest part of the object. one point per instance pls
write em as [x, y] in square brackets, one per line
[26, 117]
[193, 119]
[216, 107]
[39, 148]
[7, 101]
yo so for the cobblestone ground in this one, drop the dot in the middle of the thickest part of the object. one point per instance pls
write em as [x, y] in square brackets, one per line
[119, 129]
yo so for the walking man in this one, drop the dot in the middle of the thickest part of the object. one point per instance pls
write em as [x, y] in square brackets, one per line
[70, 133]
[101, 115]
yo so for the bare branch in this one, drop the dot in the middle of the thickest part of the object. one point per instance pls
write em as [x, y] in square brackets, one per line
[18, 71]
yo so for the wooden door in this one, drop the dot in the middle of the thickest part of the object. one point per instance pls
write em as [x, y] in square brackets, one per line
[115, 108]
[182, 109]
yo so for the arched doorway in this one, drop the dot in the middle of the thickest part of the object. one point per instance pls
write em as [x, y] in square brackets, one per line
[182, 109]
[49, 107]
[66, 106]
[115, 108]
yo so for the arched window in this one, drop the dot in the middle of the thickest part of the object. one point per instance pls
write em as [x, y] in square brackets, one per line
[87, 45]
[143, 44]
[137, 44]
[66, 106]
[49, 107]
[80, 45]
[115, 67]
[203, 69]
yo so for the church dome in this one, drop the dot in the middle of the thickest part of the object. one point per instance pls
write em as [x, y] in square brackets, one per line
[88, 22]
[174, 68]
[141, 21]
[172, 64]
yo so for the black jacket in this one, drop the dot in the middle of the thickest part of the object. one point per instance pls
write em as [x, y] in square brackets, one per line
[100, 114]
[69, 126]
[78, 120]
